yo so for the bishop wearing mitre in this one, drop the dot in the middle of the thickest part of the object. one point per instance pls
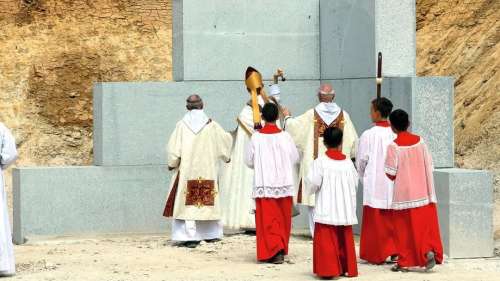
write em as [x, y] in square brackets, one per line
[238, 179]
[194, 150]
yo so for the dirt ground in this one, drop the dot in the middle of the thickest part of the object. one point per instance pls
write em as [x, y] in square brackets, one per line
[153, 257]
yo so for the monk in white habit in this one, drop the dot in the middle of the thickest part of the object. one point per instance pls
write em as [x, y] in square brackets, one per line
[237, 179]
[272, 154]
[194, 150]
[409, 164]
[377, 232]
[8, 154]
[307, 131]
[333, 178]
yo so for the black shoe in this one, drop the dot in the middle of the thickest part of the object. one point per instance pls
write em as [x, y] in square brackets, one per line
[397, 268]
[431, 261]
[279, 258]
[212, 240]
[191, 244]
[393, 259]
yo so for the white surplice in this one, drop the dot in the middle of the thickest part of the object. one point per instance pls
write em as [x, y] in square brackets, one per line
[8, 154]
[372, 149]
[274, 164]
[334, 183]
[195, 149]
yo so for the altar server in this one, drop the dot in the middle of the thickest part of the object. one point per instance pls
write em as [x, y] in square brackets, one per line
[271, 153]
[377, 232]
[409, 164]
[333, 178]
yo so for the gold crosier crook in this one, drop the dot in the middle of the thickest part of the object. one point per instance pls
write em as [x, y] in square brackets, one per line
[253, 81]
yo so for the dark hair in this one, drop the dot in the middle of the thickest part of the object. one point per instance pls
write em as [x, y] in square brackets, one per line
[270, 112]
[332, 137]
[194, 102]
[399, 120]
[382, 105]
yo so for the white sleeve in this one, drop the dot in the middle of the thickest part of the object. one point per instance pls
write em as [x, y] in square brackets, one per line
[8, 151]
[294, 152]
[362, 156]
[174, 148]
[249, 153]
[314, 177]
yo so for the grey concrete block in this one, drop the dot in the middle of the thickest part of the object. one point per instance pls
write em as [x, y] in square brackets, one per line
[353, 32]
[432, 117]
[219, 41]
[133, 121]
[465, 207]
[89, 200]
[428, 101]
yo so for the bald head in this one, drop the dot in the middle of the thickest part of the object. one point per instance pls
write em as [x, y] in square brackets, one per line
[326, 93]
[194, 102]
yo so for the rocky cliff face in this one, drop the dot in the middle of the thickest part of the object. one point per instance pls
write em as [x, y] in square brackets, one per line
[52, 51]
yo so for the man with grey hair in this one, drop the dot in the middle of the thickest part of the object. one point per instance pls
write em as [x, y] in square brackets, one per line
[307, 132]
[194, 150]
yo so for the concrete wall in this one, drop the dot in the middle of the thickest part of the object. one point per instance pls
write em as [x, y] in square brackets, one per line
[465, 212]
[133, 121]
[218, 39]
[354, 31]
[89, 200]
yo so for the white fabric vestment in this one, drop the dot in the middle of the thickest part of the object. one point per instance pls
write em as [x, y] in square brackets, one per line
[328, 111]
[8, 154]
[370, 159]
[237, 179]
[195, 119]
[301, 128]
[335, 183]
[196, 230]
[274, 164]
[196, 158]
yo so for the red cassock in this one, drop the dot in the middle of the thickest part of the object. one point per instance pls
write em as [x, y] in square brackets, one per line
[333, 251]
[377, 235]
[273, 221]
[417, 233]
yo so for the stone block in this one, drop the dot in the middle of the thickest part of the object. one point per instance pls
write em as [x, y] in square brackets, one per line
[133, 121]
[465, 207]
[432, 117]
[219, 41]
[353, 32]
[428, 101]
[89, 200]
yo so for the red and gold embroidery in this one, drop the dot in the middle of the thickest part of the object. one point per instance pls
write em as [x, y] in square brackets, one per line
[200, 193]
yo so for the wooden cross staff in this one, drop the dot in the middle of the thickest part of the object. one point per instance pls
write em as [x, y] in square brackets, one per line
[379, 75]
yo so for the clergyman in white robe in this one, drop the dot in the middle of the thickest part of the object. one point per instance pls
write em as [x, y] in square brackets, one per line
[8, 154]
[307, 132]
[194, 150]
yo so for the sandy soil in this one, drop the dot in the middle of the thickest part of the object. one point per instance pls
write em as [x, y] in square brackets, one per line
[153, 257]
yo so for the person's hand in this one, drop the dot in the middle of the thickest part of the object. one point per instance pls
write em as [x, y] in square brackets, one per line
[286, 112]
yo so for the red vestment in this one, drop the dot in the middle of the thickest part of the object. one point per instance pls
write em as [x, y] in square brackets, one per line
[333, 251]
[273, 221]
[417, 233]
[377, 235]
